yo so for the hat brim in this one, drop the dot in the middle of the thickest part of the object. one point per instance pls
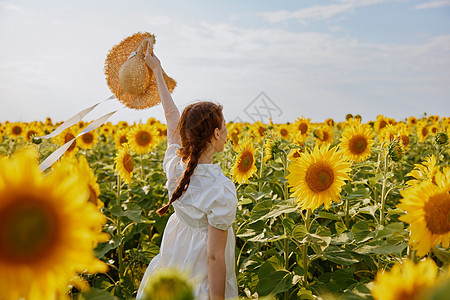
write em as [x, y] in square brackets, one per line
[116, 57]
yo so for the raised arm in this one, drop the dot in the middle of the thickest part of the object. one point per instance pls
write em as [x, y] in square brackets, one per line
[170, 109]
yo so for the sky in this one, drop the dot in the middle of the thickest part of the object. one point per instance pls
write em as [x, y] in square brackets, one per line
[260, 59]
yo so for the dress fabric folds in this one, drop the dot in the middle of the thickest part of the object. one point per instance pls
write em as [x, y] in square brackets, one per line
[210, 199]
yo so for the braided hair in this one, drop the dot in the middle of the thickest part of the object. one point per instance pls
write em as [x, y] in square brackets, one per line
[196, 126]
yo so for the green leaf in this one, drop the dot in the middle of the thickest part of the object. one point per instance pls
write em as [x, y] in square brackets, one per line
[385, 249]
[96, 294]
[340, 257]
[132, 211]
[261, 209]
[287, 207]
[442, 254]
[299, 232]
[104, 248]
[327, 215]
[271, 281]
[391, 230]
[245, 201]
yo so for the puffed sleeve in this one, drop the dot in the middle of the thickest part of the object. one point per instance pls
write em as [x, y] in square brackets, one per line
[171, 159]
[172, 167]
[221, 206]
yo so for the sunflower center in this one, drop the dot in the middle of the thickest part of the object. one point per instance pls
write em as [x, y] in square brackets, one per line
[123, 139]
[283, 132]
[246, 161]
[30, 134]
[405, 139]
[412, 293]
[325, 136]
[437, 213]
[319, 177]
[28, 231]
[143, 138]
[358, 144]
[296, 154]
[261, 130]
[424, 131]
[128, 162]
[383, 124]
[303, 128]
[17, 130]
[88, 138]
[69, 136]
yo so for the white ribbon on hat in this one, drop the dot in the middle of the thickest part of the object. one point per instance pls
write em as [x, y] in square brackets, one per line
[52, 158]
[75, 119]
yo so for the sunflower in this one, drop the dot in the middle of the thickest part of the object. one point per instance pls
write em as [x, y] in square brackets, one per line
[284, 131]
[48, 229]
[260, 129]
[408, 281]
[434, 129]
[302, 126]
[422, 131]
[271, 148]
[16, 129]
[88, 140]
[317, 177]
[299, 139]
[403, 134]
[357, 142]
[330, 122]
[234, 136]
[161, 129]
[66, 136]
[142, 138]
[380, 123]
[32, 130]
[244, 167]
[122, 124]
[427, 207]
[323, 135]
[124, 164]
[295, 153]
[48, 121]
[91, 180]
[169, 284]
[106, 131]
[387, 134]
[121, 138]
[424, 172]
[412, 121]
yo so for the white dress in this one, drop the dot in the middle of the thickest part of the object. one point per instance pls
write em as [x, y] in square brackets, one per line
[209, 199]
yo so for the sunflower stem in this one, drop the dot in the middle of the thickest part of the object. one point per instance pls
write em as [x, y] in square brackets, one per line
[383, 189]
[285, 189]
[261, 168]
[119, 232]
[347, 210]
[305, 250]
[142, 167]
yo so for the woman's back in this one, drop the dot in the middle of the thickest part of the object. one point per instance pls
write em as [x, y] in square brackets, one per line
[209, 199]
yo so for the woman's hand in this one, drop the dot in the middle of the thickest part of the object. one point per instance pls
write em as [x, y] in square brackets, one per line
[151, 60]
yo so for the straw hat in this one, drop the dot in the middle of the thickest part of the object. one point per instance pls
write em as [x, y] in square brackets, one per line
[129, 77]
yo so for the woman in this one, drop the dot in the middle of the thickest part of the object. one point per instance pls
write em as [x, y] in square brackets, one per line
[198, 237]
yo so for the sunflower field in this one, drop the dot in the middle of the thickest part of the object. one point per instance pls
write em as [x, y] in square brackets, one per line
[347, 210]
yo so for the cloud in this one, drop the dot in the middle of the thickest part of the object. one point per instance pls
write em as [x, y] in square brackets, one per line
[433, 4]
[9, 6]
[318, 12]
[311, 73]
